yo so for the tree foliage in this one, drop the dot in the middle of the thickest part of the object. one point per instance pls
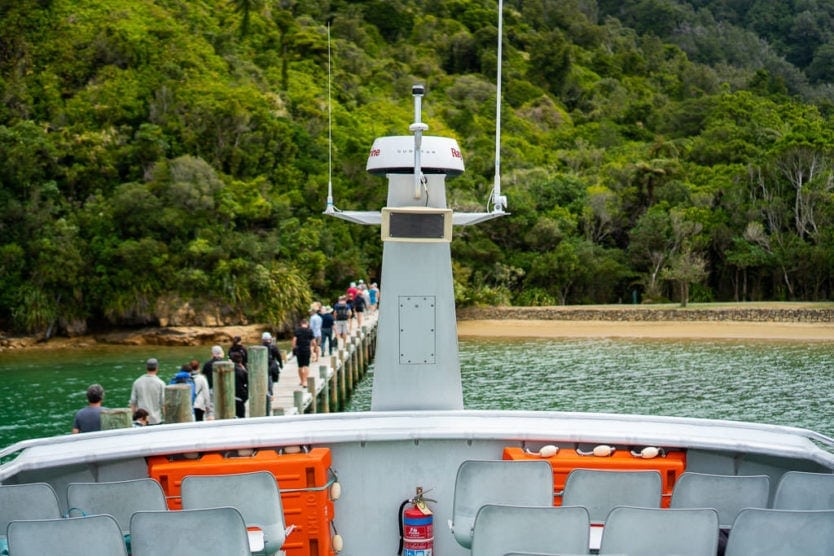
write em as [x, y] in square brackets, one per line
[163, 157]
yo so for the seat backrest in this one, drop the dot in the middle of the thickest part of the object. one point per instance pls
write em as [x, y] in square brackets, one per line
[481, 482]
[189, 533]
[799, 490]
[121, 499]
[75, 536]
[602, 490]
[27, 501]
[557, 529]
[660, 532]
[255, 495]
[729, 494]
[766, 532]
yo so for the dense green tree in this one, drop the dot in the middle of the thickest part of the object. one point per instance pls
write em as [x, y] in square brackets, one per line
[165, 159]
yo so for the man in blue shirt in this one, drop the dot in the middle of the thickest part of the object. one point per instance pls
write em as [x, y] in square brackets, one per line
[88, 419]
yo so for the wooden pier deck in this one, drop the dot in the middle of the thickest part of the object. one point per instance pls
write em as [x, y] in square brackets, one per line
[332, 379]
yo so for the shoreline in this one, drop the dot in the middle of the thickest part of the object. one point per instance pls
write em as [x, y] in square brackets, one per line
[695, 330]
[811, 322]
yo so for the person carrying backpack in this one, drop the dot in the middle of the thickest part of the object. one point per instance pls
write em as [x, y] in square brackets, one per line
[183, 376]
[275, 362]
[342, 314]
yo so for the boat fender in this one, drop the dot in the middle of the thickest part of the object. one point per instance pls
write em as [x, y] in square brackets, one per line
[548, 451]
[601, 451]
[335, 491]
[338, 543]
[649, 452]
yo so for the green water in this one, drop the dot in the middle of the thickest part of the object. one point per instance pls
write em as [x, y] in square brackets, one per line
[788, 383]
[42, 389]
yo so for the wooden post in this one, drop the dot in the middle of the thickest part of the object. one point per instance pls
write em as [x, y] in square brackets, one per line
[360, 353]
[311, 388]
[354, 362]
[178, 407]
[298, 400]
[224, 390]
[334, 386]
[344, 355]
[258, 382]
[116, 418]
[339, 364]
[325, 391]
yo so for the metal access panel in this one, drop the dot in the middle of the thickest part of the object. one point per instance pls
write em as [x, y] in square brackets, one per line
[417, 318]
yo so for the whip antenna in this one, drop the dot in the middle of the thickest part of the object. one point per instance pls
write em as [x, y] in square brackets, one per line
[329, 209]
[499, 201]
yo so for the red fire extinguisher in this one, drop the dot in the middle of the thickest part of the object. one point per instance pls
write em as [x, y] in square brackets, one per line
[416, 526]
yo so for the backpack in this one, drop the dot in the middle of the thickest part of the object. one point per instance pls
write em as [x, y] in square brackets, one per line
[184, 377]
[342, 311]
[274, 363]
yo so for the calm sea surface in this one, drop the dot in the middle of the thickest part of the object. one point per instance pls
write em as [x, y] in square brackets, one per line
[788, 383]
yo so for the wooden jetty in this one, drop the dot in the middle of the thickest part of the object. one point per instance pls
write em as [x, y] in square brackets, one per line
[332, 379]
[330, 384]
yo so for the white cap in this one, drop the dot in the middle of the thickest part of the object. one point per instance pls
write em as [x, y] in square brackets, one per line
[217, 351]
[266, 336]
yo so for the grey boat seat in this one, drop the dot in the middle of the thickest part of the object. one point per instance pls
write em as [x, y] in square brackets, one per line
[600, 491]
[800, 490]
[25, 502]
[74, 536]
[120, 499]
[255, 495]
[728, 494]
[482, 482]
[769, 532]
[557, 529]
[189, 533]
[660, 532]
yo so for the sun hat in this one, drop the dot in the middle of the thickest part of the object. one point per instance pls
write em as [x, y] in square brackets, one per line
[216, 351]
[266, 336]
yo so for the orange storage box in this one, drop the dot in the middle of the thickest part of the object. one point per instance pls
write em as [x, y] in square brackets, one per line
[670, 467]
[303, 479]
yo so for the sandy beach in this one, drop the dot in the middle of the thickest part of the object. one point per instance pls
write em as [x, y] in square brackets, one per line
[512, 328]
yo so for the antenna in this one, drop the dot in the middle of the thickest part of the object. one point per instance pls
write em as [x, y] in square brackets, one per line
[330, 209]
[499, 201]
[418, 127]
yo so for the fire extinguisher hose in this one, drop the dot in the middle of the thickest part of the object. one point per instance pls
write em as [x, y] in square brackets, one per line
[400, 525]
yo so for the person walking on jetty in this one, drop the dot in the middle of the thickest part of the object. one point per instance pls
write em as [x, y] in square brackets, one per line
[315, 326]
[342, 313]
[203, 410]
[208, 366]
[238, 347]
[241, 385]
[274, 360]
[326, 330]
[148, 391]
[303, 344]
[357, 304]
[373, 294]
[88, 419]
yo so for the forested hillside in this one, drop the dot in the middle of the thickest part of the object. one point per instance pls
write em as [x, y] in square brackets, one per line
[167, 161]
